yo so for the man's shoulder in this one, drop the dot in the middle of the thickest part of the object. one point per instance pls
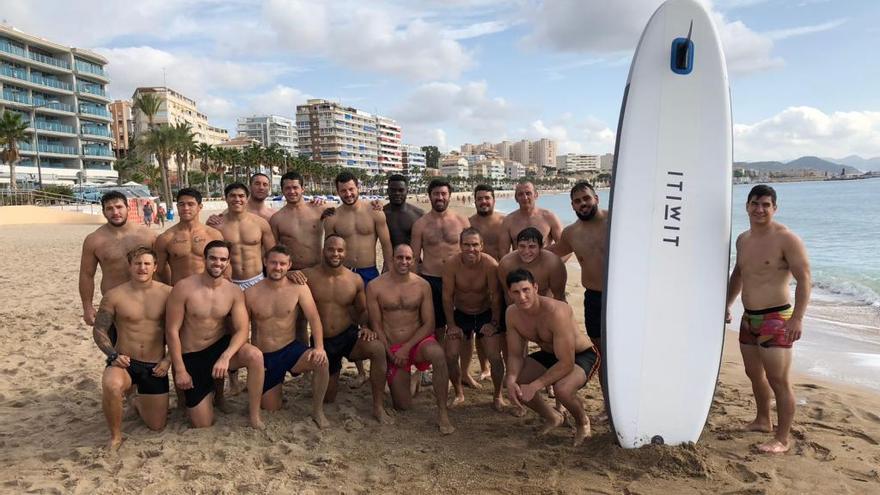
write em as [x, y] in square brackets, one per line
[487, 260]
[414, 209]
[548, 214]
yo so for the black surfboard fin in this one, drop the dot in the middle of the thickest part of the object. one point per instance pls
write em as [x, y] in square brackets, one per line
[683, 49]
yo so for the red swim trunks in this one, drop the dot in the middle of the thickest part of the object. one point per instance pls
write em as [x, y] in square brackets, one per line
[765, 327]
[420, 365]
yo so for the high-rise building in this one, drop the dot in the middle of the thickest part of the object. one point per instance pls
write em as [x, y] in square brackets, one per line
[176, 108]
[269, 130]
[414, 160]
[503, 148]
[341, 136]
[574, 163]
[607, 162]
[61, 92]
[521, 151]
[122, 126]
[543, 153]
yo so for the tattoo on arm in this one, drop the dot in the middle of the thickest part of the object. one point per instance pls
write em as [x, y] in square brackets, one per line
[100, 332]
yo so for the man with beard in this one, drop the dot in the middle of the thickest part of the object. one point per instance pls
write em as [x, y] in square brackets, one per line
[342, 306]
[587, 239]
[273, 305]
[566, 359]
[435, 239]
[108, 246]
[546, 268]
[261, 188]
[200, 348]
[402, 315]
[181, 248]
[529, 215]
[361, 227]
[399, 214]
[298, 224]
[249, 236]
[470, 302]
[138, 358]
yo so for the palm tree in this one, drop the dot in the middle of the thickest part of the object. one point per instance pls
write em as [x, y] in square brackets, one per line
[184, 144]
[161, 142]
[204, 152]
[218, 155]
[148, 104]
[233, 159]
[12, 130]
[252, 156]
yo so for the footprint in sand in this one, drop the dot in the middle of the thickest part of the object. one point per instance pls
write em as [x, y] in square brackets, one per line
[741, 472]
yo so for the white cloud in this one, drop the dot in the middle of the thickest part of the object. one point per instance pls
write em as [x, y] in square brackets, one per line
[280, 100]
[467, 106]
[799, 131]
[782, 34]
[574, 135]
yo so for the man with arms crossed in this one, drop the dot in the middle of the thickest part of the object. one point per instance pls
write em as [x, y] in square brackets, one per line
[399, 214]
[767, 256]
[273, 305]
[402, 314]
[342, 306]
[249, 236]
[200, 348]
[546, 268]
[137, 308]
[181, 248]
[529, 215]
[566, 359]
[108, 246]
[470, 302]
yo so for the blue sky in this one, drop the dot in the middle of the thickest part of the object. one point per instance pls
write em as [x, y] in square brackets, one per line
[803, 72]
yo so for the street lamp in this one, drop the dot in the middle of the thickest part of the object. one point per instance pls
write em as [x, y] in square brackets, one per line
[34, 108]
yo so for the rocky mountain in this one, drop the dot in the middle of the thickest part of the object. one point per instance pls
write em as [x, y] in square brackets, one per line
[802, 163]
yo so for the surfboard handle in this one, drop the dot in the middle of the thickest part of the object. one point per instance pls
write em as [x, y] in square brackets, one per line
[683, 53]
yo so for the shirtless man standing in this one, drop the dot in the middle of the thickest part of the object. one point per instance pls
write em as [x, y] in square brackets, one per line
[435, 238]
[342, 306]
[470, 302]
[767, 256]
[108, 246]
[529, 215]
[402, 314]
[587, 239]
[137, 308]
[566, 359]
[200, 348]
[298, 225]
[546, 268]
[261, 188]
[273, 306]
[249, 236]
[399, 214]
[181, 248]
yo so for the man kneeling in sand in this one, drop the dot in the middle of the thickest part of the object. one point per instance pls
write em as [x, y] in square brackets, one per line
[200, 348]
[342, 305]
[137, 308]
[274, 304]
[566, 359]
[402, 314]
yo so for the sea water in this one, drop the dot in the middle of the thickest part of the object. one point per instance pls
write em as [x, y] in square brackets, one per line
[839, 222]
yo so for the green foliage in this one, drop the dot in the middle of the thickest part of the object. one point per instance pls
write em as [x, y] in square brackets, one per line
[432, 156]
[12, 130]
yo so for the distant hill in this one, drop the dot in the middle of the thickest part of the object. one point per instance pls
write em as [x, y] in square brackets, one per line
[802, 163]
[865, 164]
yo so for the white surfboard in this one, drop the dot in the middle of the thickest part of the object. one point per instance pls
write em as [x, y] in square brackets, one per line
[669, 234]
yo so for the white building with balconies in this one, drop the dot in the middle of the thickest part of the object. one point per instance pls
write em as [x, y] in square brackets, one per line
[62, 93]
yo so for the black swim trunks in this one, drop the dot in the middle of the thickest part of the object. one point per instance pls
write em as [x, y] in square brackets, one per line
[437, 298]
[141, 374]
[588, 360]
[340, 346]
[593, 314]
[199, 365]
[279, 363]
[471, 324]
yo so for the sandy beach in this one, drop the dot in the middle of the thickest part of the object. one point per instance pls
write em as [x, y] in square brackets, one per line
[52, 431]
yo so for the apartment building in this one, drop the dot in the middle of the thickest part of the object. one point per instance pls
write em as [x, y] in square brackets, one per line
[414, 160]
[520, 151]
[607, 162]
[174, 109]
[341, 136]
[543, 153]
[122, 127]
[514, 170]
[270, 130]
[454, 166]
[61, 92]
[576, 163]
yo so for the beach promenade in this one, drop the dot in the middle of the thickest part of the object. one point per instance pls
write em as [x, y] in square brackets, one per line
[52, 431]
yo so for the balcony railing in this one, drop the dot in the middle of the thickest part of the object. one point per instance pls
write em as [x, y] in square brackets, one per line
[16, 96]
[42, 103]
[54, 126]
[89, 68]
[14, 72]
[10, 48]
[95, 131]
[94, 111]
[88, 88]
[49, 148]
[96, 151]
[39, 57]
[45, 81]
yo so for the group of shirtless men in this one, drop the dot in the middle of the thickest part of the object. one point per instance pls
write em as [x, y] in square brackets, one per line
[298, 289]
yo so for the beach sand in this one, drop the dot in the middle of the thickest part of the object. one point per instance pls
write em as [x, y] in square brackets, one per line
[52, 431]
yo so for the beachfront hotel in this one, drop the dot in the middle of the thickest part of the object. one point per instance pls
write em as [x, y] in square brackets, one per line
[341, 136]
[122, 126]
[414, 160]
[175, 108]
[577, 162]
[62, 93]
[270, 130]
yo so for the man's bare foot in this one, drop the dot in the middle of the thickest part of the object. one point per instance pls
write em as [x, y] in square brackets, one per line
[257, 423]
[446, 427]
[383, 417]
[114, 443]
[468, 381]
[550, 424]
[774, 447]
[499, 404]
[359, 381]
[320, 420]
[759, 425]
[518, 412]
[484, 375]
[236, 386]
[456, 401]
[581, 433]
